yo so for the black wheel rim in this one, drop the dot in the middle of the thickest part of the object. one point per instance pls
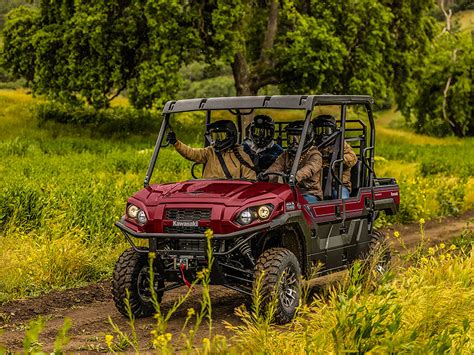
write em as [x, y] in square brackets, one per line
[289, 287]
[383, 259]
[381, 266]
[143, 284]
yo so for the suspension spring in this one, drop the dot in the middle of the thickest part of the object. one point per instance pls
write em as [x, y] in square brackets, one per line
[246, 250]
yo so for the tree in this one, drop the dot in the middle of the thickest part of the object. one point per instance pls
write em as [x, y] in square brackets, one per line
[439, 95]
[7, 5]
[92, 51]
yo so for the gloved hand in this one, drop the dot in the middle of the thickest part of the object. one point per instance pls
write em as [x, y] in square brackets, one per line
[262, 177]
[171, 138]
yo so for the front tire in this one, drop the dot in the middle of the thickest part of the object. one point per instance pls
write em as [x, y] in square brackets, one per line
[132, 273]
[278, 276]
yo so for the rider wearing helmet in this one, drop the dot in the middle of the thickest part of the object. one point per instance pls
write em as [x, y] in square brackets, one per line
[308, 174]
[324, 126]
[223, 158]
[260, 146]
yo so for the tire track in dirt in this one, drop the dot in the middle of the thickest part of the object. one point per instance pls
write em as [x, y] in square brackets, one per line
[90, 307]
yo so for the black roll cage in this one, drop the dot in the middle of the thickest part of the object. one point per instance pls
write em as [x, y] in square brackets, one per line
[243, 105]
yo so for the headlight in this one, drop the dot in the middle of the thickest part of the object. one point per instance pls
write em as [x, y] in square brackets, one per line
[245, 217]
[132, 211]
[141, 217]
[257, 212]
[264, 212]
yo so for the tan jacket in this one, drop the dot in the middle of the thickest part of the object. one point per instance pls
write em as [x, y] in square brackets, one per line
[308, 175]
[350, 159]
[212, 167]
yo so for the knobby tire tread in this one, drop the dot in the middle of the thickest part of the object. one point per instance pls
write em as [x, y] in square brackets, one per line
[270, 262]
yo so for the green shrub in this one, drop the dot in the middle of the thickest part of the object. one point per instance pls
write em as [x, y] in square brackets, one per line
[213, 87]
[450, 197]
[116, 120]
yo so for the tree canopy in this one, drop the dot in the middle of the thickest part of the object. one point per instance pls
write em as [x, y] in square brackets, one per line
[439, 96]
[92, 50]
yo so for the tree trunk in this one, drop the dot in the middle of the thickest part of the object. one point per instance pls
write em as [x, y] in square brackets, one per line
[243, 83]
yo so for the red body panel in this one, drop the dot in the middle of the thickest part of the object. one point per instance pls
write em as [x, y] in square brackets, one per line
[227, 199]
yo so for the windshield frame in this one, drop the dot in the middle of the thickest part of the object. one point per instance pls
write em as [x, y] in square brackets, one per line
[236, 105]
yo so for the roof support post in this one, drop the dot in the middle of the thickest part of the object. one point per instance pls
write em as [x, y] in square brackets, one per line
[294, 168]
[159, 140]
[341, 149]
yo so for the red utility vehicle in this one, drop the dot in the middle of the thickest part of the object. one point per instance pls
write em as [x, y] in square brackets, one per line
[258, 226]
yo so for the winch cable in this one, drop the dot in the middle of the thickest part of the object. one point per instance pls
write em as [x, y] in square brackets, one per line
[186, 282]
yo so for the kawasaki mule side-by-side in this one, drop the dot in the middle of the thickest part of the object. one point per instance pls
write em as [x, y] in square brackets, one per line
[258, 227]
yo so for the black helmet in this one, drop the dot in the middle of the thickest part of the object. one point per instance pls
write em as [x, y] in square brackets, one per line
[293, 135]
[262, 130]
[222, 135]
[324, 126]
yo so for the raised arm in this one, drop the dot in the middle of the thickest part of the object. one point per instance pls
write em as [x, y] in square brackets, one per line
[198, 155]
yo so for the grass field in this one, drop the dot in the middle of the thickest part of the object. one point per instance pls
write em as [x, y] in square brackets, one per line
[62, 188]
[395, 314]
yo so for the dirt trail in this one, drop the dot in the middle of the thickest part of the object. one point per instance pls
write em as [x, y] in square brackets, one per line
[90, 307]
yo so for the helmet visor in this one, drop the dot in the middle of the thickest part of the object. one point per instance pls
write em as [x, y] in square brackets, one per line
[323, 130]
[218, 136]
[262, 132]
[294, 139]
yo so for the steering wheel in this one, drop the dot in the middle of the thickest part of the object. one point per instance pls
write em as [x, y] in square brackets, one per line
[284, 176]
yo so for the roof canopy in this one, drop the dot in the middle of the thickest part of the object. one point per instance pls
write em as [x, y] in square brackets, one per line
[301, 102]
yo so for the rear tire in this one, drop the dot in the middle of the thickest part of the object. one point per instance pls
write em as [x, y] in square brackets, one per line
[132, 273]
[281, 279]
[379, 249]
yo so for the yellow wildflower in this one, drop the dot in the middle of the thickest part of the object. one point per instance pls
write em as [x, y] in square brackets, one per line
[202, 274]
[206, 343]
[422, 221]
[442, 257]
[424, 260]
[161, 341]
[452, 247]
[448, 256]
[191, 312]
[108, 339]
[431, 251]
[209, 233]
[396, 234]
[442, 246]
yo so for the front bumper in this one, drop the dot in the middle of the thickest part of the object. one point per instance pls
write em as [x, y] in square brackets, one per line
[247, 233]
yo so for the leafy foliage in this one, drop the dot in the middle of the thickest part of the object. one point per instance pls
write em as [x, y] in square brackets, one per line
[90, 51]
[437, 98]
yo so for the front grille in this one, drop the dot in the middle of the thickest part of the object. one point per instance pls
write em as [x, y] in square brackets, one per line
[183, 230]
[188, 214]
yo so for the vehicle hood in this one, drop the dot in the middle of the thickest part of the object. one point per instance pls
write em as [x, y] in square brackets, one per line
[224, 192]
